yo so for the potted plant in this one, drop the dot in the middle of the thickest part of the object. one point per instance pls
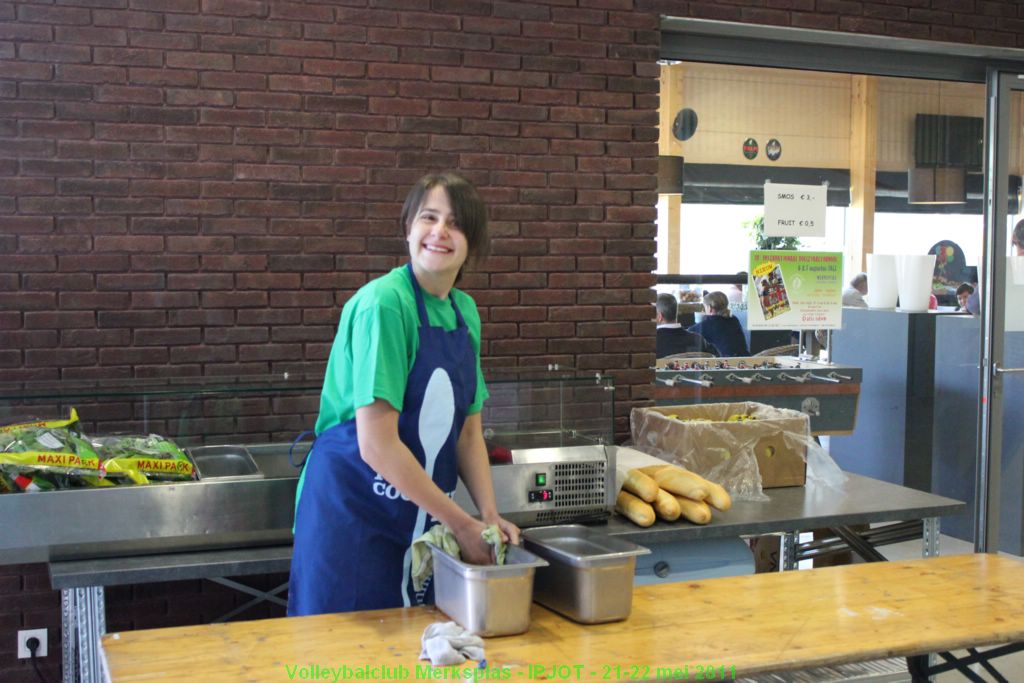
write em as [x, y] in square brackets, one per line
[755, 228]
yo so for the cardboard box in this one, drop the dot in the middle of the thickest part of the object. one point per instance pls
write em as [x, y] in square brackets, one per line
[722, 449]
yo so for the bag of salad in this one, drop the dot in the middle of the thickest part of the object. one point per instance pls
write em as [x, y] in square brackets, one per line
[48, 447]
[150, 457]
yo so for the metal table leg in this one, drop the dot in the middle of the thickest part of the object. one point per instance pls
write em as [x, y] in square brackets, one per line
[787, 550]
[67, 633]
[91, 623]
[930, 535]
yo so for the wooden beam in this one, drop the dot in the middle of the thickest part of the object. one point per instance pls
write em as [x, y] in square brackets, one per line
[860, 236]
[673, 256]
[670, 102]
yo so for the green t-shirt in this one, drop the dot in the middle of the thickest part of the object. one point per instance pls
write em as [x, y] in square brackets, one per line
[376, 345]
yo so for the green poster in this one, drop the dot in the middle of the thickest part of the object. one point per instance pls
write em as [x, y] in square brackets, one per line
[793, 290]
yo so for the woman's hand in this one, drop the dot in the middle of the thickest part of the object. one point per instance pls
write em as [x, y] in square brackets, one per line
[475, 550]
[509, 531]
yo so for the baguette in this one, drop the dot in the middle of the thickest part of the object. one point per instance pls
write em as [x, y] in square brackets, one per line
[641, 485]
[634, 509]
[696, 511]
[718, 497]
[682, 483]
[651, 470]
[667, 506]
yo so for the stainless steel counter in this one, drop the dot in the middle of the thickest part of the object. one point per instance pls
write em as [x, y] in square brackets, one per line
[154, 519]
[861, 500]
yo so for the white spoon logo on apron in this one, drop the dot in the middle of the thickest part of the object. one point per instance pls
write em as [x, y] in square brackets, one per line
[437, 413]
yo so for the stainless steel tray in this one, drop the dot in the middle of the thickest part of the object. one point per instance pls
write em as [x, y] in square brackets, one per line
[590, 575]
[224, 462]
[580, 546]
[488, 600]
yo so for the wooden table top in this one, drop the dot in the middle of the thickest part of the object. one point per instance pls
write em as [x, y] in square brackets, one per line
[765, 622]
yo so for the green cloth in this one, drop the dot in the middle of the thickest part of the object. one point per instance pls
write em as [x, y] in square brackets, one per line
[443, 538]
[376, 345]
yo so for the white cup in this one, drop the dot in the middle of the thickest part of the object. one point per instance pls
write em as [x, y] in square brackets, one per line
[914, 274]
[881, 281]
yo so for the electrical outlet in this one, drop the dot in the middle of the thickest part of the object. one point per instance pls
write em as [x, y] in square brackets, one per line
[23, 636]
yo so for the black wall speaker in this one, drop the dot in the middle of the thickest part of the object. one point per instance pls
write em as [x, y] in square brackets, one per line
[685, 124]
[949, 141]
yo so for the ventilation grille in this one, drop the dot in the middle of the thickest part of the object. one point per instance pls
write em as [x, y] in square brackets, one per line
[596, 514]
[579, 484]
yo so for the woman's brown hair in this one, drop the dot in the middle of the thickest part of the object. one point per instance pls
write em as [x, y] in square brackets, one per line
[467, 206]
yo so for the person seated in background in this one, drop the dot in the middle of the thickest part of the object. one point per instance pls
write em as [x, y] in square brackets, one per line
[855, 293]
[963, 292]
[671, 337]
[720, 328]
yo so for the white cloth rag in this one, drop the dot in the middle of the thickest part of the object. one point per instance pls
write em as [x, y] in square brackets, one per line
[447, 644]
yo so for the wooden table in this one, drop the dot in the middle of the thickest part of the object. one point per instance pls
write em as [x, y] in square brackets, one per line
[860, 500]
[736, 626]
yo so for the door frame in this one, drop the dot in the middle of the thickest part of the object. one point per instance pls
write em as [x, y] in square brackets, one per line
[1000, 87]
[700, 40]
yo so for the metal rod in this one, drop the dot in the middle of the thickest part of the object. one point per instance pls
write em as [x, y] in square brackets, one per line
[699, 279]
[858, 544]
[987, 665]
[1004, 371]
[961, 666]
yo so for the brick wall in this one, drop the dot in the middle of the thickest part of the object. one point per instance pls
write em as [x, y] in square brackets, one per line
[196, 186]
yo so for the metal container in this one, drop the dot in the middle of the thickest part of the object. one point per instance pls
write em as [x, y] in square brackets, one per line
[224, 462]
[488, 600]
[590, 574]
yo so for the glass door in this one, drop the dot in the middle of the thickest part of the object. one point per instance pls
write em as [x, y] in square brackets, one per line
[1000, 482]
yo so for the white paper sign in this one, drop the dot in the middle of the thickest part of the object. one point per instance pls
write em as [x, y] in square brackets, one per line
[794, 210]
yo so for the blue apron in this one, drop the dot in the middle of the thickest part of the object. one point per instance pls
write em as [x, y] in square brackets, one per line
[353, 529]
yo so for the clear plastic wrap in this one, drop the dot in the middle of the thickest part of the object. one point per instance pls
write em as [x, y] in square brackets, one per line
[143, 458]
[41, 455]
[745, 447]
[46, 455]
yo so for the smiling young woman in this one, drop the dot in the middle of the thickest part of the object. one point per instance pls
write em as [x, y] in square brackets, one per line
[443, 215]
[437, 246]
[399, 419]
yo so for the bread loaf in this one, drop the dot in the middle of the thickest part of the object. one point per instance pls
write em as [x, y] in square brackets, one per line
[641, 485]
[666, 506]
[650, 470]
[634, 509]
[697, 511]
[682, 483]
[718, 497]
